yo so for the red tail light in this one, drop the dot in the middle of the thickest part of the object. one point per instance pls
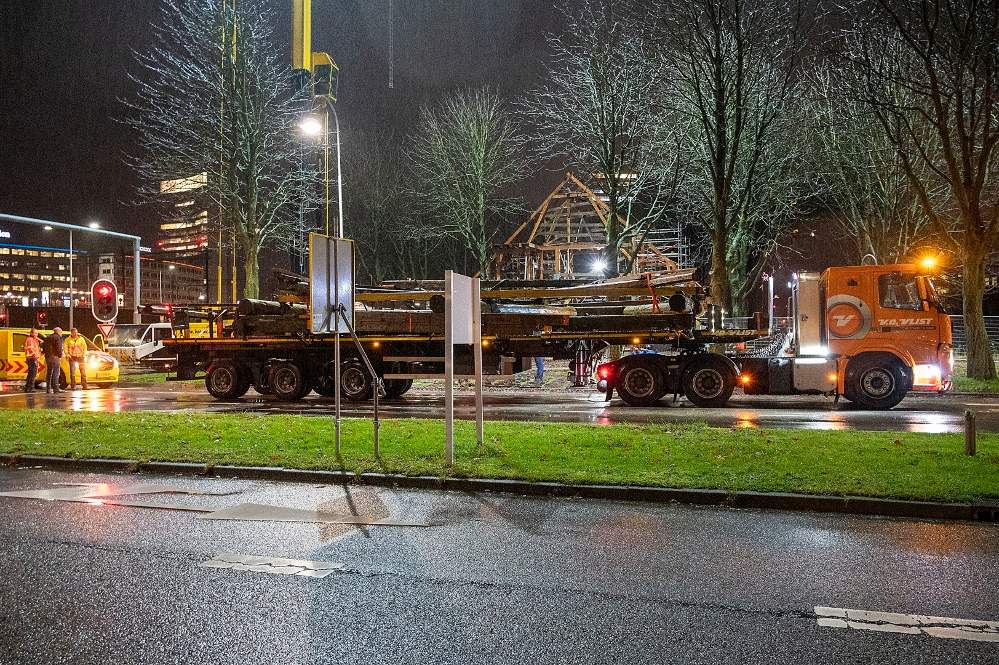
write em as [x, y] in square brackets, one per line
[604, 371]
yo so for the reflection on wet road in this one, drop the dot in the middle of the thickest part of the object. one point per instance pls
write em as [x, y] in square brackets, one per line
[915, 414]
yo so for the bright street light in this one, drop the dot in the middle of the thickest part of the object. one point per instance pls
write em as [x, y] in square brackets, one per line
[94, 225]
[311, 125]
[600, 265]
[928, 262]
[47, 227]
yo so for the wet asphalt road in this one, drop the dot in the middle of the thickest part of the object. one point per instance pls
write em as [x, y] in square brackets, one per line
[918, 413]
[495, 579]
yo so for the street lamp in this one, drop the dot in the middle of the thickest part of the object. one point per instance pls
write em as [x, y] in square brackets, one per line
[314, 125]
[94, 225]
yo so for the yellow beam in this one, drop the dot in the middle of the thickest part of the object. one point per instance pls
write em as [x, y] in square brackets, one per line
[301, 35]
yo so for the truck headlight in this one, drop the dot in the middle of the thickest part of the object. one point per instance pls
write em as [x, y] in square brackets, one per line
[927, 376]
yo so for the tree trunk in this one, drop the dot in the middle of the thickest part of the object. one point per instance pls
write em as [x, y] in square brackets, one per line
[721, 288]
[251, 268]
[981, 364]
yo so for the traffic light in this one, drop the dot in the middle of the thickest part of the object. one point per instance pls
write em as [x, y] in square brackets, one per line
[104, 300]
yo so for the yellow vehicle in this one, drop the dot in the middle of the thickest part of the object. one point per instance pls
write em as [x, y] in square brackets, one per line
[102, 368]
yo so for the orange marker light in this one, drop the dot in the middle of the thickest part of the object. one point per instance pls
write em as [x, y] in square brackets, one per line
[485, 343]
[636, 340]
[745, 379]
[376, 344]
[833, 377]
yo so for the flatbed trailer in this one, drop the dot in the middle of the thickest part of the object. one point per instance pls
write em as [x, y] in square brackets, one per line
[289, 366]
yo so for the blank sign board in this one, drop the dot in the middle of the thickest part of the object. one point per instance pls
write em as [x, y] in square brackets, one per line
[461, 294]
[331, 276]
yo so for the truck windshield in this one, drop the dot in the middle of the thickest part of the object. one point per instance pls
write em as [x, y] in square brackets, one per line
[127, 335]
[931, 294]
[899, 291]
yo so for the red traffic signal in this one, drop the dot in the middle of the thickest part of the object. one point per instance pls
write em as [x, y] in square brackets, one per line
[104, 300]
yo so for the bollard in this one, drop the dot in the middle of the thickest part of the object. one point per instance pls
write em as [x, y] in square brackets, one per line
[970, 434]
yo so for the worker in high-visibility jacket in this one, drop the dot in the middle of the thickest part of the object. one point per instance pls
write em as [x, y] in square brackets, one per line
[76, 354]
[32, 352]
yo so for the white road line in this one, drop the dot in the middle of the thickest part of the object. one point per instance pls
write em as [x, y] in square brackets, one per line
[909, 624]
[272, 565]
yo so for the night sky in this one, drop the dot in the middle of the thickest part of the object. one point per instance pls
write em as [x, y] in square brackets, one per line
[64, 65]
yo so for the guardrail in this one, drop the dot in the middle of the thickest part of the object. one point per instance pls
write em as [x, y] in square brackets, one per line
[957, 322]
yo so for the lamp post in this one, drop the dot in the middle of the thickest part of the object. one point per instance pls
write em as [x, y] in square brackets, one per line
[312, 125]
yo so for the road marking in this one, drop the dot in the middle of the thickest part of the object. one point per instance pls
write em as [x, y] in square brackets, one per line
[272, 565]
[909, 624]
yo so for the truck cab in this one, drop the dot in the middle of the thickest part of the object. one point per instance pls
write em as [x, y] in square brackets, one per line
[886, 329]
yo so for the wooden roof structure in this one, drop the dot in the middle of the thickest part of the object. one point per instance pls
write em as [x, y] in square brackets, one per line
[565, 236]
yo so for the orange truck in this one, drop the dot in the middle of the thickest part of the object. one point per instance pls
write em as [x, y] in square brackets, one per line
[870, 334]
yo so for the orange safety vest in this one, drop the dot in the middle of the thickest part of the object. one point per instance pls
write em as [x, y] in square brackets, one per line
[32, 347]
[76, 348]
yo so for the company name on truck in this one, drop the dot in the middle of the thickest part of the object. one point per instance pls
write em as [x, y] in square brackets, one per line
[905, 323]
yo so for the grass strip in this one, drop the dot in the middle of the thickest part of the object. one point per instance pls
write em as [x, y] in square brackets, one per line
[881, 464]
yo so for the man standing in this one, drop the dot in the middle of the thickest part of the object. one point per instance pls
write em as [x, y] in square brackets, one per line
[76, 350]
[32, 352]
[53, 348]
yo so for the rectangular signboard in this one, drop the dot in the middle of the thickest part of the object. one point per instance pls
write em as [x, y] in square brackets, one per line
[331, 278]
[461, 309]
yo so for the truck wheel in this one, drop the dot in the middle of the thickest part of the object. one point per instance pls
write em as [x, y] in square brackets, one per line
[289, 382]
[355, 382]
[708, 382]
[876, 384]
[226, 381]
[324, 387]
[395, 388]
[640, 383]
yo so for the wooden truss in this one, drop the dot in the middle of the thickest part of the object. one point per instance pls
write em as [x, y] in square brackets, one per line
[564, 238]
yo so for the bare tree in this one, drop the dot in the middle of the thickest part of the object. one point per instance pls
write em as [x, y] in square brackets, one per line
[949, 68]
[602, 108]
[735, 67]
[380, 210]
[463, 155]
[862, 178]
[214, 102]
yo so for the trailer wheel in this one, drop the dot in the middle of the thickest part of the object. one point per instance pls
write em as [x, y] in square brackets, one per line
[708, 382]
[876, 383]
[395, 388]
[640, 383]
[226, 381]
[355, 382]
[289, 382]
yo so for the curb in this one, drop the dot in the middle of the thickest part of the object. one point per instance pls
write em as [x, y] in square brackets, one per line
[855, 505]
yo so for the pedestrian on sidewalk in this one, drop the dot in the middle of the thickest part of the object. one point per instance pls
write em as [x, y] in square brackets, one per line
[76, 352]
[32, 352]
[53, 349]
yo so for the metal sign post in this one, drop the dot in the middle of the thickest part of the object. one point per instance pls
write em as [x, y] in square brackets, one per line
[331, 277]
[462, 325]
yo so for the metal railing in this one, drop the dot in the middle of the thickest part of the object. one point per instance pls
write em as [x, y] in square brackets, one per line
[783, 323]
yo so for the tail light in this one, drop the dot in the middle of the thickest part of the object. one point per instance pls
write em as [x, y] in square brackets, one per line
[605, 371]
